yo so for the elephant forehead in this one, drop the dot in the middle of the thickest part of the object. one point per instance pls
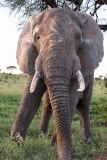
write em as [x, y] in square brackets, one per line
[58, 21]
[52, 17]
[57, 25]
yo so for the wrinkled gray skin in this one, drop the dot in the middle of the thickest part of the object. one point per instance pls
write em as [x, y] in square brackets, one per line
[57, 43]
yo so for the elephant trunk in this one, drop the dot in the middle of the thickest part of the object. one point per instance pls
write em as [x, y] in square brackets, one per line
[58, 74]
[58, 68]
[59, 97]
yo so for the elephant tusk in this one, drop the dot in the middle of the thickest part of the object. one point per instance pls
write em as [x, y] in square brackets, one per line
[34, 81]
[80, 81]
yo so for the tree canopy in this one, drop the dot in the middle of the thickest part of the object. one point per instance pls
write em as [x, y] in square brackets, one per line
[28, 7]
[11, 68]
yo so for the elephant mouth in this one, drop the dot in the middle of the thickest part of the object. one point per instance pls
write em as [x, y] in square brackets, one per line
[79, 76]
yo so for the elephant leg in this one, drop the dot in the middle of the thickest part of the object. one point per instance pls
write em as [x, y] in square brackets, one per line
[46, 113]
[83, 110]
[73, 98]
[28, 107]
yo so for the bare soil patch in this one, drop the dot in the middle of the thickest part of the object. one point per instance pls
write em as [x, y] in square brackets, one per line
[100, 157]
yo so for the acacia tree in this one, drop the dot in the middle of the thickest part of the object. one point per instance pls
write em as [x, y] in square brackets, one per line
[28, 7]
[11, 68]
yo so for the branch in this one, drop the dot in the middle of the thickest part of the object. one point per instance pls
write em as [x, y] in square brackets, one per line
[101, 2]
[76, 2]
[103, 27]
[51, 3]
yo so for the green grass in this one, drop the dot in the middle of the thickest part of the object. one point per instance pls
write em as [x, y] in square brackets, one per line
[39, 148]
[13, 84]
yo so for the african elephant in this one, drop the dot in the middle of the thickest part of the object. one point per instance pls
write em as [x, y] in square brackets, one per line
[59, 50]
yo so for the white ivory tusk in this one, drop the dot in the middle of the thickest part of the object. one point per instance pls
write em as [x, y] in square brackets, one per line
[34, 81]
[80, 81]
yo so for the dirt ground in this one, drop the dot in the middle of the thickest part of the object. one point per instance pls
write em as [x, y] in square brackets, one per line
[100, 157]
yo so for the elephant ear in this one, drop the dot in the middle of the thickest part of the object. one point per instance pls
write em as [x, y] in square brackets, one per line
[91, 51]
[26, 52]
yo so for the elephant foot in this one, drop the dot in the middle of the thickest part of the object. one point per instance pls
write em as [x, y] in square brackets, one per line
[54, 139]
[18, 139]
[41, 134]
[88, 140]
[42, 131]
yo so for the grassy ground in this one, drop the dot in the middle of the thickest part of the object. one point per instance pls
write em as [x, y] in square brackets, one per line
[39, 148]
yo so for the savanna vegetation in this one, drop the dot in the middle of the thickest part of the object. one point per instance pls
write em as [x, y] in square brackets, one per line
[38, 147]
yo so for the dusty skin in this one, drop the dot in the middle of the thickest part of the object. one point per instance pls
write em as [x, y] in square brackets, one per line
[59, 49]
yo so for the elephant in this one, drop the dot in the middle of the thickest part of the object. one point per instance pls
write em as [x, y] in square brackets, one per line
[59, 49]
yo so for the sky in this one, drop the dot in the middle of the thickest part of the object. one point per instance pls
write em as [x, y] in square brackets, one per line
[9, 34]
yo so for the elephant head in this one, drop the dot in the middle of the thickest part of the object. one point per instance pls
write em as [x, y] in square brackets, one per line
[57, 46]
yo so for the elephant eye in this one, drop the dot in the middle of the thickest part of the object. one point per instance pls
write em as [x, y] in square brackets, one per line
[77, 37]
[37, 37]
